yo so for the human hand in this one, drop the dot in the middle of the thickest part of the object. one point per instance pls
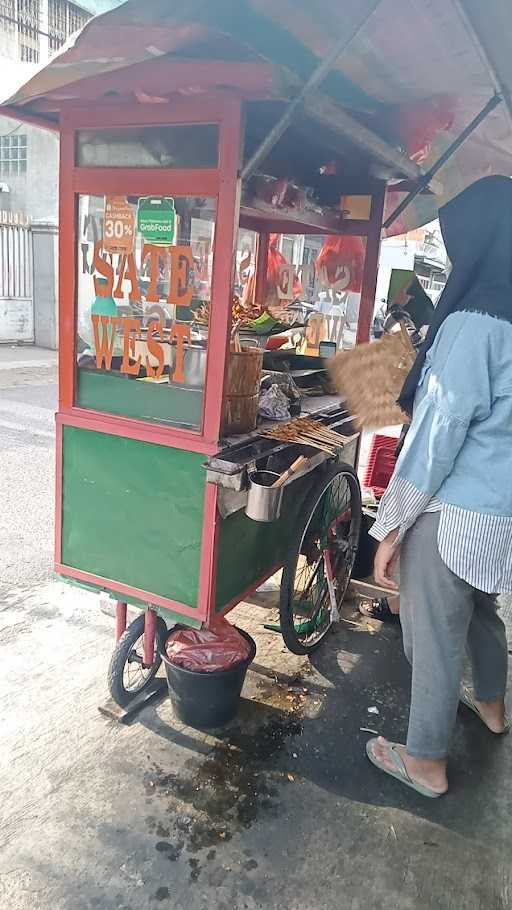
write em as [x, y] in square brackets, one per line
[386, 560]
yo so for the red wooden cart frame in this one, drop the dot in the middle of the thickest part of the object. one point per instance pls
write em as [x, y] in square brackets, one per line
[223, 184]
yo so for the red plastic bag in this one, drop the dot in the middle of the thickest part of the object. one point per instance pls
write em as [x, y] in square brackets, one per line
[205, 650]
[418, 123]
[275, 260]
[341, 262]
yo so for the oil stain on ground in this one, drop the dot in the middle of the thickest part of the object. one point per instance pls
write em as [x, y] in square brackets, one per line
[237, 782]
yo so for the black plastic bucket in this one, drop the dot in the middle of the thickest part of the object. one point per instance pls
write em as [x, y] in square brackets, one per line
[207, 700]
[363, 565]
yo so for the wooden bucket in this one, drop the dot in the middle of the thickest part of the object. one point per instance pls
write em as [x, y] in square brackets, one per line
[241, 392]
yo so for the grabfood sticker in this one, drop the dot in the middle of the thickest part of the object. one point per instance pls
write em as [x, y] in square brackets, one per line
[156, 219]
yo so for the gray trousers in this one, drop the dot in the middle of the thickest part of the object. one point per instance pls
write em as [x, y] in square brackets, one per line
[441, 617]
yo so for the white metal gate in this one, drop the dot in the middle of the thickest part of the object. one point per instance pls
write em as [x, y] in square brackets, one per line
[16, 284]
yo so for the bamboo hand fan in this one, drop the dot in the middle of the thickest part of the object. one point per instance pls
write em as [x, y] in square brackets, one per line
[370, 378]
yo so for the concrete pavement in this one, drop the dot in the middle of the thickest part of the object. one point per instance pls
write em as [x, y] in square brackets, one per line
[280, 811]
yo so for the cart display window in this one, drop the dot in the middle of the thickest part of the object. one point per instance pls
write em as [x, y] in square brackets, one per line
[143, 299]
[312, 282]
[174, 146]
[330, 271]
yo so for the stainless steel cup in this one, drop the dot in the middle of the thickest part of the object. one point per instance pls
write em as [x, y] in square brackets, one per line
[263, 501]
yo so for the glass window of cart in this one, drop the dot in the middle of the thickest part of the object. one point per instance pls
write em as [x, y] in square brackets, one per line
[331, 276]
[312, 292]
[143, 296]
[175, 146]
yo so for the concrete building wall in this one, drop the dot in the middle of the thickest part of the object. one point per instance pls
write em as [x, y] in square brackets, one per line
[45, 252]
[34, 193]
[8, 44]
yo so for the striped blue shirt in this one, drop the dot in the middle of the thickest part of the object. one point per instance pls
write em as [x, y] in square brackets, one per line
[475, 547]
[456, 457]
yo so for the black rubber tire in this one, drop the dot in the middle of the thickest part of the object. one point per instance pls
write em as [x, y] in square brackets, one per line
[291, 639]
[120, 655]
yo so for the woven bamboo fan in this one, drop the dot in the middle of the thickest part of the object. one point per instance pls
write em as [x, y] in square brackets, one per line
[370, 379]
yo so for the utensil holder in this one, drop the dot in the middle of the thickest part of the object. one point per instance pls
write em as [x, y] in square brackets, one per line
[263, 500]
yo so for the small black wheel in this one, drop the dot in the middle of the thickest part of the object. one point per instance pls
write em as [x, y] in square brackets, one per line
[127, 675]
[324, 550]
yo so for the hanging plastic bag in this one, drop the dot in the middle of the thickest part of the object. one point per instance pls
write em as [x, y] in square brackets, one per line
[418, 123]
[340, 262]
[274, 262]
[221, 647]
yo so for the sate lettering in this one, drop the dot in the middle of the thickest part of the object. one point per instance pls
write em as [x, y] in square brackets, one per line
[136, 276]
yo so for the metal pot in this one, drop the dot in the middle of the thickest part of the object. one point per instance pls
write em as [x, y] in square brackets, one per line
[194, 366]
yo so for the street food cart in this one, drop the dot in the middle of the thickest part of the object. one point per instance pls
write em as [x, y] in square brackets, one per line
[181, 133]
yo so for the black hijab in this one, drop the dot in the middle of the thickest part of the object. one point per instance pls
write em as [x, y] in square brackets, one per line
[477, 232]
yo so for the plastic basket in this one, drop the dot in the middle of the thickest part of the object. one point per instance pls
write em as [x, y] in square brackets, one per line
[381, 463]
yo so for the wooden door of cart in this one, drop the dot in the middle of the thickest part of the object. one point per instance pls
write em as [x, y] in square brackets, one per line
[134, 515]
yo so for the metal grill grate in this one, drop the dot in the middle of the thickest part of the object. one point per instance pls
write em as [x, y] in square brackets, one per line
[15, 261]
[28, 30]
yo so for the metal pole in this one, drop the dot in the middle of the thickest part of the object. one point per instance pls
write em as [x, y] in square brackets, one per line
[313, 82]
[456, 144]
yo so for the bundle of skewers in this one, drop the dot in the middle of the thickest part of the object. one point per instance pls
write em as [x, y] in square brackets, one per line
[236, 346]
[308, 432]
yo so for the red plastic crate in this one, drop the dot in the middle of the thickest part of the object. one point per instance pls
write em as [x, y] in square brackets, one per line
[381, 463]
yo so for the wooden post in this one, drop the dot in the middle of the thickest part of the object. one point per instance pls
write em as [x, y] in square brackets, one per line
[371, 265]
[260, 291]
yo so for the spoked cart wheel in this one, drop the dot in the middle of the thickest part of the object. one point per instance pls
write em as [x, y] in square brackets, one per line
[317, 573]
[128, 674]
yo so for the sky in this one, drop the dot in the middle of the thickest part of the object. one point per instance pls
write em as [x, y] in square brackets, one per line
[100, 6]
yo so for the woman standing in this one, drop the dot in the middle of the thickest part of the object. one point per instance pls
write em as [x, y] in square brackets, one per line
[447, 513]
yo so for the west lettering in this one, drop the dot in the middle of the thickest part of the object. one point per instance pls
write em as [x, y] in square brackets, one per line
[104, 340]
[131, 328]
[180, 333]
[155, 349]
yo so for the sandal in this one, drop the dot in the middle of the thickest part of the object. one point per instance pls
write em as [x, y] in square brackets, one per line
[466, 697]
[400, 773]
[378, 609]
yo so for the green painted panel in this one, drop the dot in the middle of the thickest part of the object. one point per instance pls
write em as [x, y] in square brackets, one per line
[133, 512]
[169, 616]
[116, 393]
[250, 549]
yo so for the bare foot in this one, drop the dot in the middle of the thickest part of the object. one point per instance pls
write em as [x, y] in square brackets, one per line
[492, 713]
[430, 773]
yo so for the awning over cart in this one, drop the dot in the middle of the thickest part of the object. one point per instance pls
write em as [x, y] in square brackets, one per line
[410, 76]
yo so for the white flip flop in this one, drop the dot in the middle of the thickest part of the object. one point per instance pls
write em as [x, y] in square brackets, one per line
[400, 773]
[466, 697]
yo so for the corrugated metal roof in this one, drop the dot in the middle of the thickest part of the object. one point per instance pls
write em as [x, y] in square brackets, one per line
[406, 50]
